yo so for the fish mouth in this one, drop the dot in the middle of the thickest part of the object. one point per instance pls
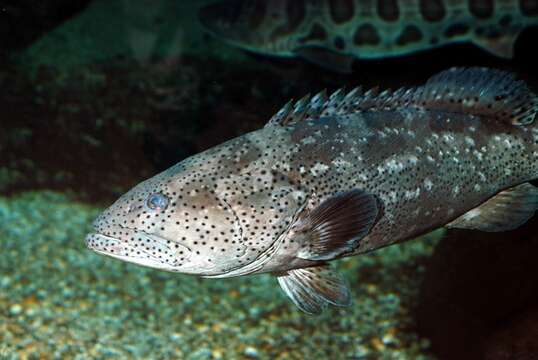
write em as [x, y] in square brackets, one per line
[121, 250]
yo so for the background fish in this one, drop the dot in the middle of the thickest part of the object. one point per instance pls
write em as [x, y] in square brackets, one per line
[332, 33]
[330, 177]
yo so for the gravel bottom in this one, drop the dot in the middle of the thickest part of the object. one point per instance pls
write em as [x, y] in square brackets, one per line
[59, 300]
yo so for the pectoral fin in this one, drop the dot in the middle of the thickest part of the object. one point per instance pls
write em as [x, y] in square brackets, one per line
[313, 288]
[336, 226]
[326, 58]
[502, 46]
[505, 211]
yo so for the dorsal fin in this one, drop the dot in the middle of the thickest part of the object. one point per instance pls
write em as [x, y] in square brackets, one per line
[483, 92]
[320, 105]
[489, 93]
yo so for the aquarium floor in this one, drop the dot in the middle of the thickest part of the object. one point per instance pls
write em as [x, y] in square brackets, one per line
[59, 300]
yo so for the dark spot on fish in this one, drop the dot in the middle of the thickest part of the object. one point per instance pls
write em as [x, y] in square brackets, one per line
[388, 10]
[317, 33]
[410, 34]
[434, 40]
[528, 7]
[506, 20]
[339, 43]
[366, 35]
[432, 10]
[481, 9]
[456, 30]
[295, 11]
[493, 34]
[479, 31]
[256, 14]
[341, 10]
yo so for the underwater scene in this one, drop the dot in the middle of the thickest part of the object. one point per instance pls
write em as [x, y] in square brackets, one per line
[269, 179]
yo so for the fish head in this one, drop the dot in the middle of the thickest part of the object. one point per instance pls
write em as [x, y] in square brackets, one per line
[209, 215]
[165, 223]
[257, 26]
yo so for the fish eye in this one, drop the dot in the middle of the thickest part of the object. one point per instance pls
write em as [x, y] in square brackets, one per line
[157, 202]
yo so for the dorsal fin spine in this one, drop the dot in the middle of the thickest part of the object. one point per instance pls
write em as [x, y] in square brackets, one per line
[482, 92]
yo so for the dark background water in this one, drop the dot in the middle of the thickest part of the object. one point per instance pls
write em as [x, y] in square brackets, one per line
[92, 103]
[96, 89]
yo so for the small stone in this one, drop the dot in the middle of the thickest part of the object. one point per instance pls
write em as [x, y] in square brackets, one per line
[251, 352]
[5, 281]
[378, 344]
[15, 309]
[361, 352]
[254, 312]
[389, 339]
[217, 353]
[202, 353]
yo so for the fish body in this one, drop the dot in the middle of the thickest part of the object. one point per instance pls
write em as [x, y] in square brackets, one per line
[332, 33]
[336, 176]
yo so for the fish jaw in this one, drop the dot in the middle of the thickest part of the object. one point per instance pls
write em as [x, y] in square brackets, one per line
[115, 248]
[144, 249]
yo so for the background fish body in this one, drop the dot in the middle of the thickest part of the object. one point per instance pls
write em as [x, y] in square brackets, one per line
[330, 177]
[333, 32]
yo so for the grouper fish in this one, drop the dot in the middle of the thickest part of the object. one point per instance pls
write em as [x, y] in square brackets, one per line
[336, 176]
[332, 33]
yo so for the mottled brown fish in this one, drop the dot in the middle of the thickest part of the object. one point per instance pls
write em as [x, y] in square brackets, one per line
[330, 177]
[332, 33]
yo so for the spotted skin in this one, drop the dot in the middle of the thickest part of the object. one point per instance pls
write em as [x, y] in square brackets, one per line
[368, 28]
[426, 155]
[227, 207]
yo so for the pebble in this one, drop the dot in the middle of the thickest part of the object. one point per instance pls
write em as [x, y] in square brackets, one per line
[202, 353]
[251, 352]
[217, 354]
[389, 339]
[361, 352]
[15, 309]
[5, 281]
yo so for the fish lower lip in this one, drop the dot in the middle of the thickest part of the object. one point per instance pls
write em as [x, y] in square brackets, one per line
[115, 248]
[94, 241]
